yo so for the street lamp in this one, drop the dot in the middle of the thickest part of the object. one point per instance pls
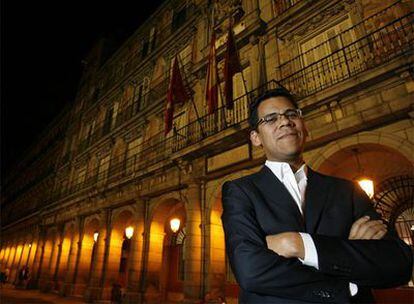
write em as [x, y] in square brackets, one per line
[367, 185]
[175, 224]
[129, 232]
[95, 236]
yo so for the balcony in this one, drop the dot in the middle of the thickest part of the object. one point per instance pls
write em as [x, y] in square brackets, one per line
[375, 48]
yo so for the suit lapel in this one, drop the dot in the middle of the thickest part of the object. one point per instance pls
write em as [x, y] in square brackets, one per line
[316, 195]
[277, 194]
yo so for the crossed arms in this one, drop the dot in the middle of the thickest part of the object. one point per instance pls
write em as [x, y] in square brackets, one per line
[366, 258]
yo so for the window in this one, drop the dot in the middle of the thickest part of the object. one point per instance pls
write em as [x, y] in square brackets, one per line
[133, 150]
[179, 18]
[145, 48]
[138, 99]
[64, 185]
[107, 121]
[114, 114]
[80, 178]
[91, 130]
[184, 60]
[103, 170]
[140, 96]
[152, 39]
[110, 118]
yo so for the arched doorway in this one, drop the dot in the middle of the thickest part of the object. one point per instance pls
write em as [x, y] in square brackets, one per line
[165, 274]
[88, 254]
[119, 257]
[392, 175]
[375, 161]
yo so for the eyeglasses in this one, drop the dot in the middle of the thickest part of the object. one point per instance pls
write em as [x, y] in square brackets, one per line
[290, 114]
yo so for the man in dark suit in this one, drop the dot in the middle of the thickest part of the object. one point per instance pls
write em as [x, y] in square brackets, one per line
[296, 236]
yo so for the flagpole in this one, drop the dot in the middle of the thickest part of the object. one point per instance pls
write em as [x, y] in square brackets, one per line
[192, 100]
[223, 112]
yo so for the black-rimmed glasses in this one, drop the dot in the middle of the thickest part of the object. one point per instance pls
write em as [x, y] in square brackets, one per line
[290, 114]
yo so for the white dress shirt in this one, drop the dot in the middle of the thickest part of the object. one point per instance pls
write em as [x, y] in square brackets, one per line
[296, 184]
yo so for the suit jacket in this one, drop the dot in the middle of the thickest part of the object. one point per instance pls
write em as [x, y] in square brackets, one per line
[259, 205]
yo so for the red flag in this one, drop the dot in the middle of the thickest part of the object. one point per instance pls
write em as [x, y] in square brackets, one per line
[231, 66]
[176, 95]
[212, 77]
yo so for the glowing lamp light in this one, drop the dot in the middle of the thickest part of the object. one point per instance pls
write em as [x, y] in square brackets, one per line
[175, 224]
[412, 228]
[129, 232]
[368, 186]
[95, 236]
[30, 245]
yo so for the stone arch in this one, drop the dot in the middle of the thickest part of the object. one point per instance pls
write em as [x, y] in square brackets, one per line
[117, 272]
[405, 148]
[354, 160]
[92, 224]
[158, 267]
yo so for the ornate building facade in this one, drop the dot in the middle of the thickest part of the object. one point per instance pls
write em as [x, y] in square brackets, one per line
[91, 205]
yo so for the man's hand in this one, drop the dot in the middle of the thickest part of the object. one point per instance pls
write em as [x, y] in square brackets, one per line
[287, 244]
[366, 229]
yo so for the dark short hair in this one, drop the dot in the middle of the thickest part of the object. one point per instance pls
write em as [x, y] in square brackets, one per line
[253, 117]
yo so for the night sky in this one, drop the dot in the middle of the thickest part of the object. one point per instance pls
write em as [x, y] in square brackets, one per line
[42, 45]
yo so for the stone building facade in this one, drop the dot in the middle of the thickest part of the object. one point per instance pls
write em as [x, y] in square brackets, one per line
[106, 165]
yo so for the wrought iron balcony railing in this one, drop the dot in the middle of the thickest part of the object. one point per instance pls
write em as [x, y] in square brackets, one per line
[158, 149]
[155, 93]
[378, 46]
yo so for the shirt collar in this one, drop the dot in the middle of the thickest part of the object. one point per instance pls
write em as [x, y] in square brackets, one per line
[280, 169]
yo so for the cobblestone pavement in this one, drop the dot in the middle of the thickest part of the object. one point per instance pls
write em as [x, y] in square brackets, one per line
[11, 295]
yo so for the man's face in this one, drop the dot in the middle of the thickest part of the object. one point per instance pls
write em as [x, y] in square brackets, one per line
[284, 139]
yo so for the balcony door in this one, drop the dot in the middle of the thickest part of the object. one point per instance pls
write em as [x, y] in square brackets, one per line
[329, 57]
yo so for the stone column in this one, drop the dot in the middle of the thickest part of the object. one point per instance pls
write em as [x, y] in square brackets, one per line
[192, 245]
[145, 251]
[54, 281]
[106, 253]
[135, 260]
[38, 259]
